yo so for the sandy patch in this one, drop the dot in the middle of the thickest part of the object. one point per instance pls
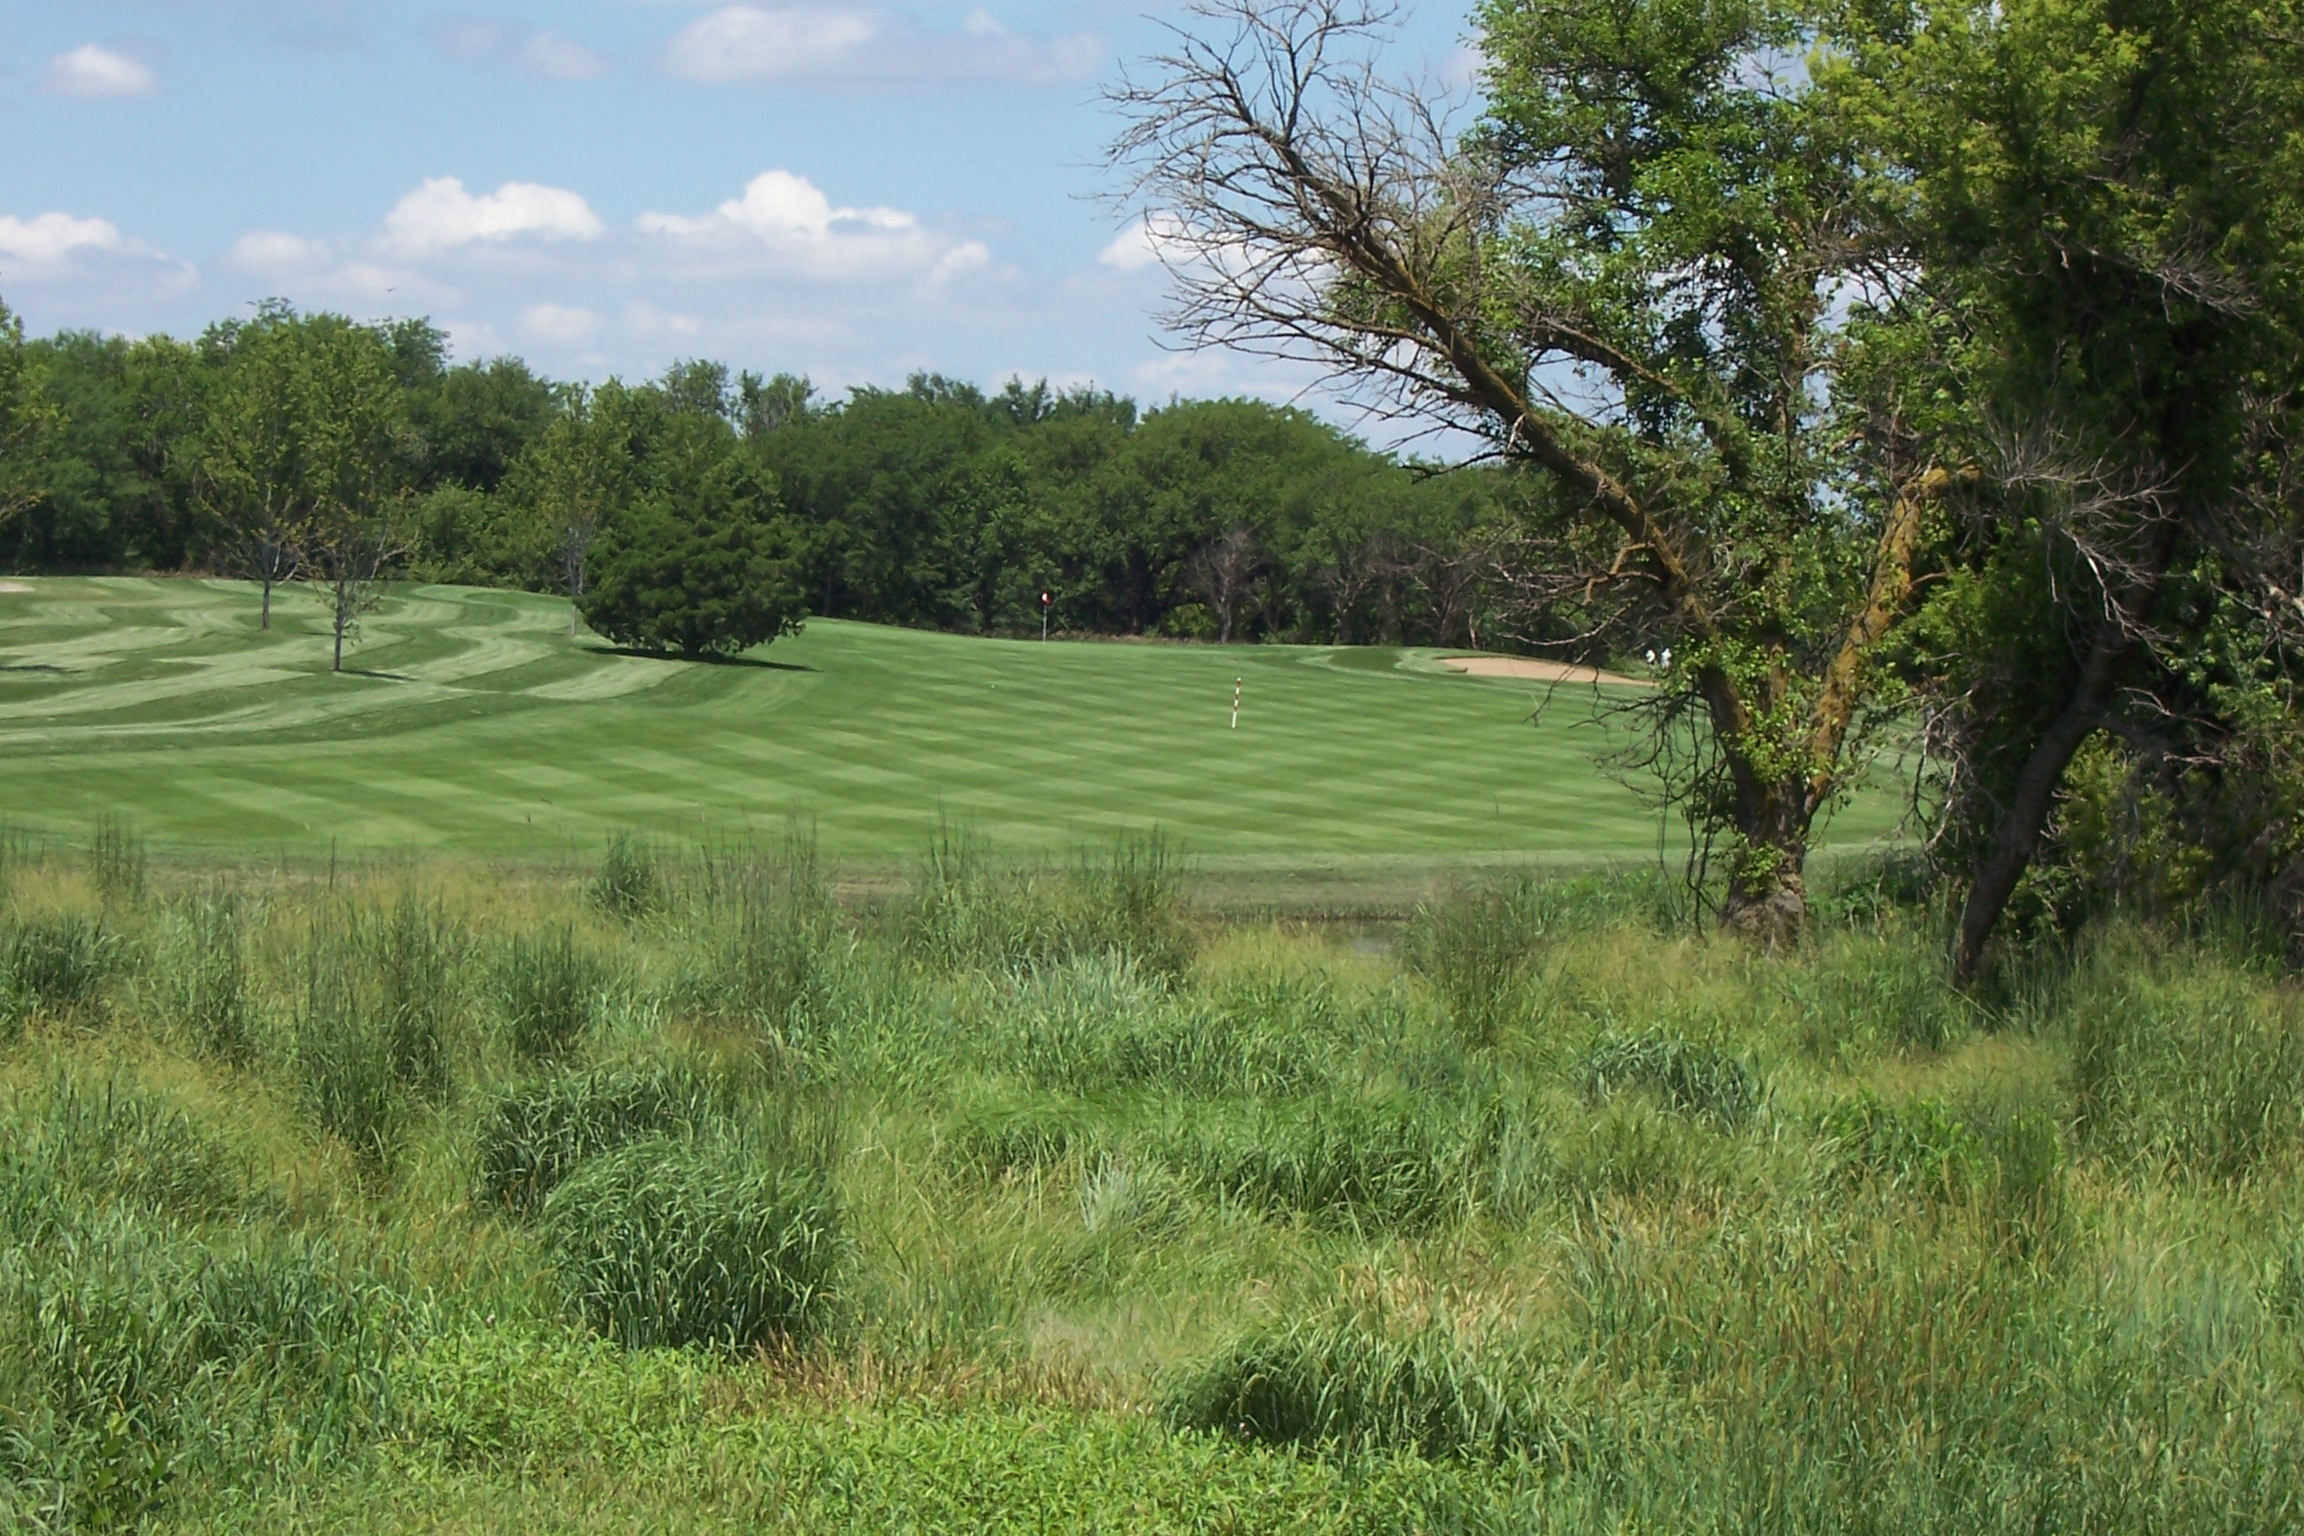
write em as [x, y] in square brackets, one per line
[1534, 670]
[14, 586]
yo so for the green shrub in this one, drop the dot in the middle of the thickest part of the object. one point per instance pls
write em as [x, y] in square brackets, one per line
[413, 951]
[994, 1134]
[1685, 1075]
[2205, 1072]
[1337, 1385]
[55, 966]
[129, 1360]
[117, 862]
[2012, 1158]
[550, 989]
[695, 1242]
[1396, 1162]
[1893, 991]
[203, 977]
[1474, 946]
[535, 1133]
[75, 1152]
[705, 568]
[628, 883]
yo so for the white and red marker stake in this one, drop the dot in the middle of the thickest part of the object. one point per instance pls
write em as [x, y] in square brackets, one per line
[1236, 682]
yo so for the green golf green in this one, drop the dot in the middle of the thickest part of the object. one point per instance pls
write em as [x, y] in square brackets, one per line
[474, 723]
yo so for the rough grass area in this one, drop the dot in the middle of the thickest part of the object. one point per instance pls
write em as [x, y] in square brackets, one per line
[409, 1198]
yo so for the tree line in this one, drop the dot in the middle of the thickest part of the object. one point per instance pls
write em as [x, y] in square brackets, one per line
[307, 446]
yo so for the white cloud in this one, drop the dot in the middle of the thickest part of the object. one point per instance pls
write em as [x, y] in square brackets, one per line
[1152, 239]
[94, 72]
[642, 318]
[556, 56]
[48, 240]
[441, 216]
[548, 55]
[844, 45]
[272, 251]
[558, 324]
[784, 222]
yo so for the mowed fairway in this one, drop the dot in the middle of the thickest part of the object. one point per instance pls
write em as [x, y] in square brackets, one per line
[474, 724]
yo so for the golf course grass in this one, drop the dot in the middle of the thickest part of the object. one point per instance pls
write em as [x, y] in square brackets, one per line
[469, 722]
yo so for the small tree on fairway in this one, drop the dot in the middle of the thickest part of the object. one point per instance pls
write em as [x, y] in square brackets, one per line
[711, 573]
[348, 539]
[576, 468]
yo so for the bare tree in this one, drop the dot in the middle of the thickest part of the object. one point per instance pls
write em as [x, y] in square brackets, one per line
[1669, 363]
[1223, 570]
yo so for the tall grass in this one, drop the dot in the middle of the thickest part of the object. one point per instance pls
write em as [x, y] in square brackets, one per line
[54, 966]
[117, 862]
[1340, 1384]
[696, 1242]
[535, 1133]
[550, 988]
[629, 882]
[203, 979]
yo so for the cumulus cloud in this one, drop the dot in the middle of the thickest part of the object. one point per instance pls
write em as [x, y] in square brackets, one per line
[559, 324]
[49, 240]
[547, 55]
[96, 73]
[1151, 240]
[843, 45]
[273, 252]
[783, 222]
[441, 215]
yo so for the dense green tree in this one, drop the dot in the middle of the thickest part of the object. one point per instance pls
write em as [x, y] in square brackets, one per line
[702, 569]
[25, 419]
[2108, 206]
[1648, 279]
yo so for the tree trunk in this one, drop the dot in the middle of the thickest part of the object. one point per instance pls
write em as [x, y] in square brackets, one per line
[266, 623]
[343, 601]
[2017, 838]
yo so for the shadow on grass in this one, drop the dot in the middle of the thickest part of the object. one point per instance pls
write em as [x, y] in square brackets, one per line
[709, 661]
[390, 677]
[48, 667]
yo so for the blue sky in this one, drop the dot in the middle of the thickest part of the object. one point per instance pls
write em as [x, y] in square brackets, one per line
[849, 191]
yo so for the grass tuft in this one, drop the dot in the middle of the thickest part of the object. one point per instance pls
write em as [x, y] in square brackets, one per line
[698, 1242]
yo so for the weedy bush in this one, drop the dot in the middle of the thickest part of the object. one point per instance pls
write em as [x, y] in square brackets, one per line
[1129, 900]
[970, 912]
[131, 1360]
[203, 977]
[2009, 1159]
[1475, 946]
[628, 883]
[1685, 1075]
[1373, 1163]
[54, 966]
[994, 1133]
[533, 1134]
[373, 1022]
[779, 958]
[549, 987]
[1883, 989]
[1339, 1385]
[75, 1151]
[2202, 1071]
[700, 1242]
[412, 952]
[117, 863]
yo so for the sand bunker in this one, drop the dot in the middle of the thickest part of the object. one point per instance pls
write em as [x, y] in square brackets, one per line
[14, 586]
[1531, 669]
